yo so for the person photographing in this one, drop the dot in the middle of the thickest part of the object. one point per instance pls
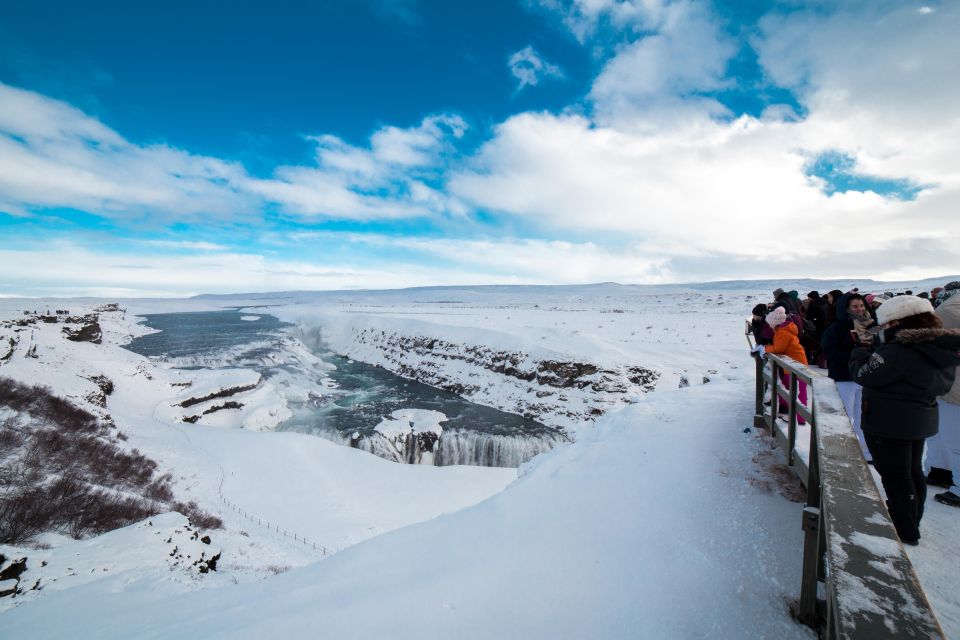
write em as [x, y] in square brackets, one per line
[913, 362]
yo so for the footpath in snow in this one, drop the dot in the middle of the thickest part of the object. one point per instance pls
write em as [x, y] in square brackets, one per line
[658, 523]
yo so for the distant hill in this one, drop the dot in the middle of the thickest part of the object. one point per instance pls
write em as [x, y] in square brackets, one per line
[454, 293]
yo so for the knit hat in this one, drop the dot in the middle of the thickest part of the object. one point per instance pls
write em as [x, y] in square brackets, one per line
[950, 286]
[760, 310]
[814, 294]
[901, 307]
[777, 293]
[777, 317]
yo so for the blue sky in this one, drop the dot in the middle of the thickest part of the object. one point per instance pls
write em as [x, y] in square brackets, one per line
[195, 147]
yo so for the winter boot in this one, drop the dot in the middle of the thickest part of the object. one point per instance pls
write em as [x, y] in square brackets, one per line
[940, 477]
[948, 498]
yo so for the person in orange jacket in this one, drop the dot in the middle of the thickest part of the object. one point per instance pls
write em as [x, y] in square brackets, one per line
[786, 338]
[786, 342]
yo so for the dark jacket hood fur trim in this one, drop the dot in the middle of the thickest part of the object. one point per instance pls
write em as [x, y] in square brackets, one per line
[913, 336]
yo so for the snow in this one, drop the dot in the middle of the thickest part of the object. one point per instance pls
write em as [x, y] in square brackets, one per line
[585, 544]
[404, 421]
[305, 485]
[655, 521]
[162, 545]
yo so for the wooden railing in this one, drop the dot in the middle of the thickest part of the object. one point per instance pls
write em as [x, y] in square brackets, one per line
[851, 553]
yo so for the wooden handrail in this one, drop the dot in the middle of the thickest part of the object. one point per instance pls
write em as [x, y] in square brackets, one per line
[850, 544]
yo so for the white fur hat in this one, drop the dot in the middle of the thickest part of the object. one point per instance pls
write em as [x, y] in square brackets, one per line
[776, 317]
[899, 307]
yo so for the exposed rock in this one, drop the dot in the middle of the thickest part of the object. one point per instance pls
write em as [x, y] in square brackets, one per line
[12, 569]
[223, 393]
[105, 383]
[230, 404]
[425, 359]
[87, 333]
[206, 565]
[12, 342]
[10, 572]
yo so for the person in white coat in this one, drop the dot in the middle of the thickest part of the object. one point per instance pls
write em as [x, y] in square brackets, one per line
[949, 435]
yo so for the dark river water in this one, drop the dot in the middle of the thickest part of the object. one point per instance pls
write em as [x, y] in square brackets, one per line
[350, 397]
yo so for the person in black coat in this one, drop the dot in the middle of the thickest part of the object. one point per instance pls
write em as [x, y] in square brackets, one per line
[838, 340]
[832, 297]
[762, 333]
[901, 380]
[783, 299]
[817, 313]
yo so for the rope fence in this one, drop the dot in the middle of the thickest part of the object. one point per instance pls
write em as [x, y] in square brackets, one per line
[266, 523]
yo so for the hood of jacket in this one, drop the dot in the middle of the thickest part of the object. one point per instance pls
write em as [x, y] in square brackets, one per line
[949, 312]
[791, 327]
[941, 346]
[841, 306]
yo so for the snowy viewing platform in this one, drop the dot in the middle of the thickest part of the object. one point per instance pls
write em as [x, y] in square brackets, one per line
[851, 551]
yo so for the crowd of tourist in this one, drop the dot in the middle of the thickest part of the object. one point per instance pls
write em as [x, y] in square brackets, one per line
[894, 358]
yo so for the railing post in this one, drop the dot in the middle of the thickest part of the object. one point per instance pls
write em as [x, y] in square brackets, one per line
[813, 539]
[792, 420]
[758, 407]
[808, 584]
[774, 394]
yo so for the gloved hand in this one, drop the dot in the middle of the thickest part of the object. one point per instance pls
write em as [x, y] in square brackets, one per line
[758, 349]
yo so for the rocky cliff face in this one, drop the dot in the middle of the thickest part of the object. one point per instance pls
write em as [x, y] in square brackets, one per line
[558, 393]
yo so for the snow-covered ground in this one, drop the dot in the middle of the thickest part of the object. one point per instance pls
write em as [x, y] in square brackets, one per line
[657, 524]
[663, 519]
[307, 486]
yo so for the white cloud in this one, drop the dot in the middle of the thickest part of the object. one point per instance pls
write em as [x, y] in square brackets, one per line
[66, 269]
[737, 188]
[877, 79]
[662, 57]
[53, 155]
[661, 76]
[529, 67]
[187, 244]
[387, 181]
[654, 164]
[70, 269]
[418, 146]
[585, 17]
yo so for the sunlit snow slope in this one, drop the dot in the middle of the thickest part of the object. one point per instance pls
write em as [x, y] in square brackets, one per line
[648, 527]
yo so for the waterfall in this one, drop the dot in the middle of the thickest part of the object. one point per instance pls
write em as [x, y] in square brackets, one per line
[458, 447]
[492, 450]
[409, 448]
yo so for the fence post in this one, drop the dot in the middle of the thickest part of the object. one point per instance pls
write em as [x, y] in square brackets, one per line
[774, 391]
[758, 407]
[792, 420]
